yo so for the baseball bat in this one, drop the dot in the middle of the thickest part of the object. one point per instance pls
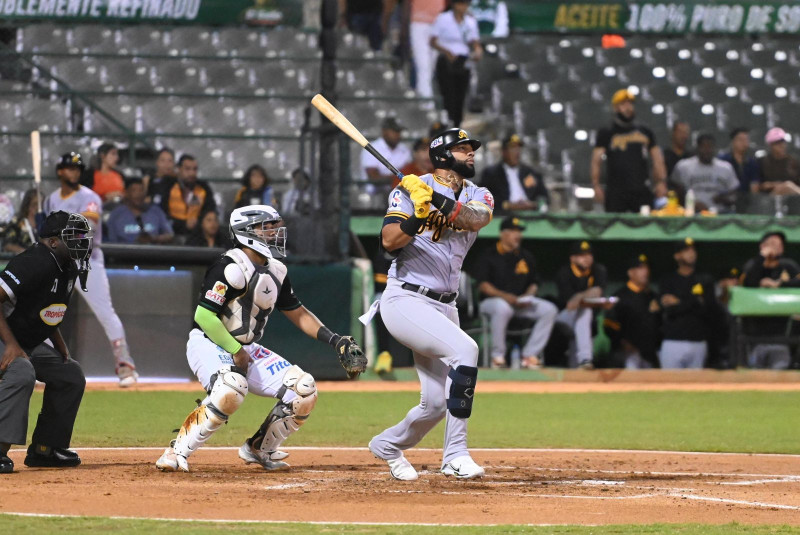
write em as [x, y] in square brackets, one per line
[36, 153]
[336, 117]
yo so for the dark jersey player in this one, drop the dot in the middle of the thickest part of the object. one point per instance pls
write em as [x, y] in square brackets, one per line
[35, 289]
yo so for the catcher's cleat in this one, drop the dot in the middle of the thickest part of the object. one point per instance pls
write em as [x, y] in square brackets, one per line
[400, 468]
[171, 462]
[269, 461]
[463, 468]
[127, 375]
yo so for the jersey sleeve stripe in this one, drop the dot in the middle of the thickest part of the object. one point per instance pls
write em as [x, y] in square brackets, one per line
[9, 292]
[401, 215]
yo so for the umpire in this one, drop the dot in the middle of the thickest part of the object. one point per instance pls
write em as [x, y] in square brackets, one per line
[35, 289]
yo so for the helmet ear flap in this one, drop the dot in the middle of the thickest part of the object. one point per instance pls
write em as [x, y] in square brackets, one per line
[443, 159]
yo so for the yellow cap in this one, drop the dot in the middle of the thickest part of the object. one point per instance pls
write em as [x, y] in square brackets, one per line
[621, 96]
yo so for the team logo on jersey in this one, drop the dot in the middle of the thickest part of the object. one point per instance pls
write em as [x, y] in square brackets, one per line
[489, 199]
[217, 293]
[436, 142]
[93, 207]
[54, 314]
[395, 199]
[522, 268]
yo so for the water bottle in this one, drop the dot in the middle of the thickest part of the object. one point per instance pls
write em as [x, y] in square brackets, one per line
[690, 200]
[515, 357]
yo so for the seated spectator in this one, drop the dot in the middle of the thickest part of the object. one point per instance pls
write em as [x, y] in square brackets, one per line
[137, 221]
[389, 145]
[103, 177]
[514, 185]
[688, 301]
[581, 279]
[713, 180]
[420, 163]
[165, 168]
[678, 149]
[508, 284]
[780, 172]
[745, 167]
[770, 270]
[208, 233]
[184, 197]
[21, 231]
[300, 198]
[634, 324]
[255, 188]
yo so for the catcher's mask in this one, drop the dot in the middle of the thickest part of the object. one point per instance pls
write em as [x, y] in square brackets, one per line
[439, 150]
[260, 228]
[76, 233]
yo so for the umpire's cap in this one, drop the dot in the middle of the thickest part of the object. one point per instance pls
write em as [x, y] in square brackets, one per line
[70, 159]
[440, 146]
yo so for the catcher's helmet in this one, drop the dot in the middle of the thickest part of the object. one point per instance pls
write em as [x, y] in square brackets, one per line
[257, 227]
[73, 229]
[70, 159]
[439, 151]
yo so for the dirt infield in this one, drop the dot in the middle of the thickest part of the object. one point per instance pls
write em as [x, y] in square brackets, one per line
[349, 485]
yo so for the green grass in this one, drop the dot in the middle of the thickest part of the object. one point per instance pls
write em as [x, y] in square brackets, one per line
[687, 421]
[21, 525]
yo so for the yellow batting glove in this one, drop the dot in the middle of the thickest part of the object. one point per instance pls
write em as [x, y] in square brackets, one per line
[412, 183]
[422, 203]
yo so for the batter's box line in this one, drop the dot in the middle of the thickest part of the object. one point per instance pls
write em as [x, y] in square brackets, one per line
[736, 502]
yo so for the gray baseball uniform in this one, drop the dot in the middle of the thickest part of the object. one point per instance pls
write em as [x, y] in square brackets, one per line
[428, 327]
[87, 202]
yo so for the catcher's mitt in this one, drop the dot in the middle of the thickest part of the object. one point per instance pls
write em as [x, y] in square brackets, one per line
[351, 356]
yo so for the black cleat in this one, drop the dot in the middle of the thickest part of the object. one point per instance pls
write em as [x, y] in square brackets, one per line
[6, 465]
[45, 456]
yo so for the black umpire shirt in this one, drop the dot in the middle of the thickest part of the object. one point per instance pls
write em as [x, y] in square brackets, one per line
[571, 280]
[39, 291]
[637, 319]
[508, 271]
[627, 152]
[787, 272]
[688, 320]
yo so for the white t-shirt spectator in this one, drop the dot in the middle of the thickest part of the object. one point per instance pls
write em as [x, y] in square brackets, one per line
[453, 36]
[707, 181]
[398, 157]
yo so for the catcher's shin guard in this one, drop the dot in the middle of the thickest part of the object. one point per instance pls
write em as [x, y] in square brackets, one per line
[226, 396]
[462, 390]
[286, 418]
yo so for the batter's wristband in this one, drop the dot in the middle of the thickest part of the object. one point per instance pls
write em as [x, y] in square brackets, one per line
[412, 225]
[444, 204]
[328, 336]
[455, 213]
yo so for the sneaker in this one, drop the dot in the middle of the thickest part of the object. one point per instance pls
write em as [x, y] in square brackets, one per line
[383, 364]
[44, 456]
[127, 375]
[6, 464]
[498, 362]
[463, 468]
[400, 468]
[530, 363]
[249, 456]
[586, 365]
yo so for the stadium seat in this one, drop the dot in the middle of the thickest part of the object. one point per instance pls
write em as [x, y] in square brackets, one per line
[660, 92]
[530, 117]
[590, 73]
[735, 114]
[587, 115]
[761, 93]
[141, 39]
[274, 78]
[126, 75]
[688, 74]
[617, 57]
[239, 42]
[576, 163]
[765, 58]
[214, 116]
[701, 117]
[91, 38]
[176, 77]
[191, 41]
[712, 92]
[43, 37]
[638, 74]
[540, 71]
[565, 55]
[785, 76]
[716, 57]
[555, 139]
[164, 115]
[506, 92]
[565, 91]
[123, 109]
[289, 42]
[222, 77]
[665, 57]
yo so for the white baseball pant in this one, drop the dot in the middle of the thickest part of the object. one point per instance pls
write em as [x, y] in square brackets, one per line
[500, 313]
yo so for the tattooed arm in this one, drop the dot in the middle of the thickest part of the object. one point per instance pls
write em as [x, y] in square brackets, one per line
[473, 216]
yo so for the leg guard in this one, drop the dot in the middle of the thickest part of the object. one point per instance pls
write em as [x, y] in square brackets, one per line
[226, 396]
[462, 390]
[286, 418]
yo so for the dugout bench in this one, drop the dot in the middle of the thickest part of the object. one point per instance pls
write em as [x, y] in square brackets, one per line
[763, 302]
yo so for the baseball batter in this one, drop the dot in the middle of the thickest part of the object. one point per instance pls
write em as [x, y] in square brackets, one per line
[240, 291]
[431, 223]
[72, 197]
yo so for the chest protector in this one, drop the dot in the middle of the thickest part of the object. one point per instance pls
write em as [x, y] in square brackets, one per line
[246, 316]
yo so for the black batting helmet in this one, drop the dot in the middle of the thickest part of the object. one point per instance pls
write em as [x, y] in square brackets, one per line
[440, 146]
[70, 159]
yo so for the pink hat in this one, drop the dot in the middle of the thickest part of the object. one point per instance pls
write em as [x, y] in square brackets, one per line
[775, 135]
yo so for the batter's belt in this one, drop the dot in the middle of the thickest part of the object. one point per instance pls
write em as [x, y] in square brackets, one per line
[447, 297]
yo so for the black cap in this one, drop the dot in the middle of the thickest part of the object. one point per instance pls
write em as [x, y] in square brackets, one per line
[512, 223]
[512, 139]
[638, 260]
[683, 244]
[70, 159]
[54, 224]
[580, 247]
[777, 233]
[390, 123]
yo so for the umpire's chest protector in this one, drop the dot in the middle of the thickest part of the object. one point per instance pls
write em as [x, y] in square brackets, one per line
[246, 315]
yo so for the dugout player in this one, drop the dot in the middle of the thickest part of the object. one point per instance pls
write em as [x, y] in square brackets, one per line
[240, 291]
[634, 324]
[430, 224]
[72, 197]
[35, 288]
[689, 303]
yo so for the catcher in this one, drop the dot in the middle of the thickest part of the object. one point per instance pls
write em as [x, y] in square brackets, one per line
[240, 290]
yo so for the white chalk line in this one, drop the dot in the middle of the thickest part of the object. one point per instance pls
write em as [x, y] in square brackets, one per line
[488, 450]
[737, 502]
